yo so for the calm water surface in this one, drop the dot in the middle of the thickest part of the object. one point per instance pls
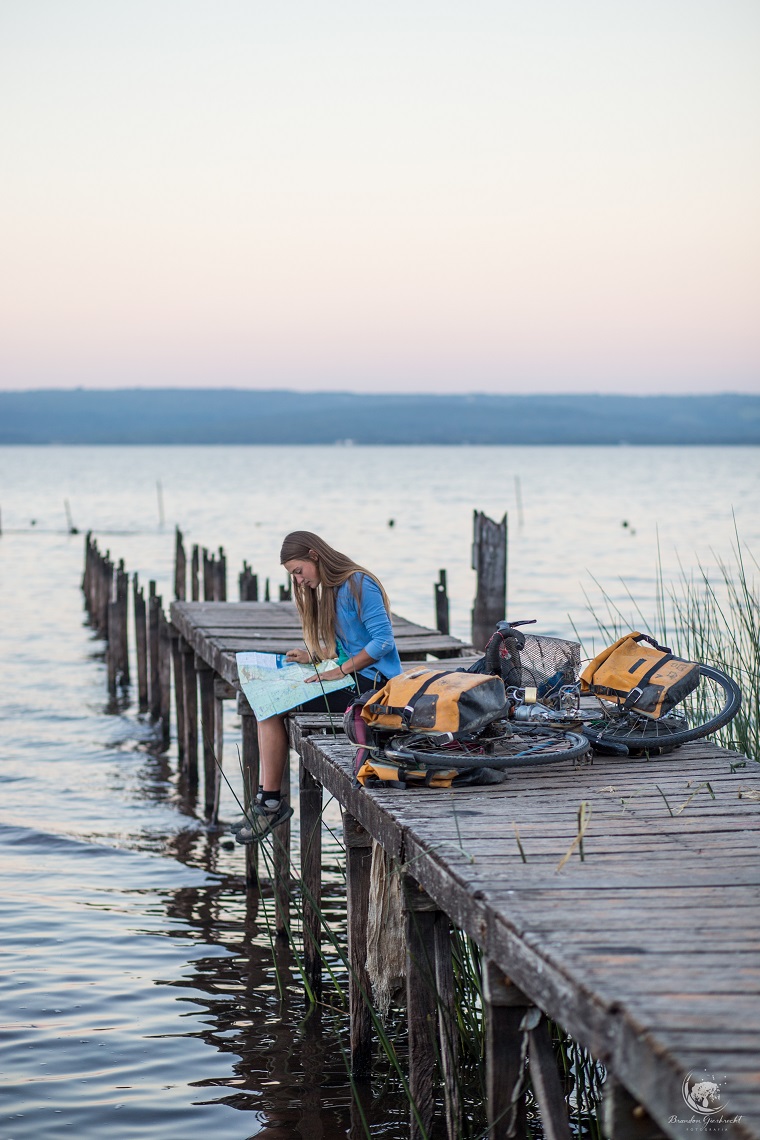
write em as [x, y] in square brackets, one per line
[140, 997]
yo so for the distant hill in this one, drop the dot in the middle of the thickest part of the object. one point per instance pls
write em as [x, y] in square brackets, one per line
[237, 416]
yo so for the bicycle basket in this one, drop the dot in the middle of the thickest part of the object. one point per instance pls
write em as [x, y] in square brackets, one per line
[542, 658]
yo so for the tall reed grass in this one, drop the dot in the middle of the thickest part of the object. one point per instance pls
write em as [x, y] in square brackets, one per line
[706, 615]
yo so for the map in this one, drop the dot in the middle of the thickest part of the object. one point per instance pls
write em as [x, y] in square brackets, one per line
[273, 685]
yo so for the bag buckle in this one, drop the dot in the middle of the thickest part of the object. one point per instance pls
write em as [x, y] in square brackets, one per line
[633, 696]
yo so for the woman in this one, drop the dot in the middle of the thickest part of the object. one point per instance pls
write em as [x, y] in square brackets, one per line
[345, 615]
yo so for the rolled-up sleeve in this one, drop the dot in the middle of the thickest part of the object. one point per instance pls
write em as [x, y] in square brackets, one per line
[375, 619]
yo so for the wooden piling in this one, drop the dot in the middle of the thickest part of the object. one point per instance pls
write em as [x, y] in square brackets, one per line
[208, 733]
[194, 566]
[547, 1086]
[141, 644]
[248, 584]
[122, 601]
[154, 671]
[441, 603]
[421, 914]
[164, 678]
[310, 792]
[111, 646]
[448, 1031]
[506, 1050]
[179, 694]
[220, 581]
[358, 869]
[281, 862]
[190, 687]
[489, 561]
[180, 566]
[208, 576]
[623, 1118]
[250, 761]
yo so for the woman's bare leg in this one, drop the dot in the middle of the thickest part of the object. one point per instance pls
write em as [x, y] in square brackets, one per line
[273, 752]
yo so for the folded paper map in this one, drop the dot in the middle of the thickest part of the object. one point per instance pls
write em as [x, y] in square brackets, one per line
[273, 685]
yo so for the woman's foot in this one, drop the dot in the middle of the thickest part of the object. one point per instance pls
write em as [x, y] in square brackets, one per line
[263, 821]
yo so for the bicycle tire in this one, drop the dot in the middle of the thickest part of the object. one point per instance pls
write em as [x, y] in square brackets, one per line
[553, 746]
[625, 732]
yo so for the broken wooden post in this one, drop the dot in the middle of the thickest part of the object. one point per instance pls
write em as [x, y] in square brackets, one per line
[141, 644]
[154, 672]
[194, 567]
[310, 794]
[248, 584]
[358, 870]
[220, 580]
[489, 561]
[441, 603]
[180, 566]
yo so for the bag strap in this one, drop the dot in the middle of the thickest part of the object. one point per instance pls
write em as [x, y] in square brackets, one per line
[634, 694]
[406, 712]
[652, 642]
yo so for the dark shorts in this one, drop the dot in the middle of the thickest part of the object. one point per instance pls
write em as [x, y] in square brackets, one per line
[339, 701]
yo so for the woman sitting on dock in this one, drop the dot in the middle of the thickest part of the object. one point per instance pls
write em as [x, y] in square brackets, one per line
[345, 614]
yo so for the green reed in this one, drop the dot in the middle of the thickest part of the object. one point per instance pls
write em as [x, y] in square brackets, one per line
[711, 616]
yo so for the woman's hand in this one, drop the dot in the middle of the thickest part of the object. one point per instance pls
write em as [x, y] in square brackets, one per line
[298, 657]
[328, 675]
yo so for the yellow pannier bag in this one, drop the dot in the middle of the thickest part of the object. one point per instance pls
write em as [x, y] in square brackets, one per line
[376, 772]
[640, 675]
[424, 700]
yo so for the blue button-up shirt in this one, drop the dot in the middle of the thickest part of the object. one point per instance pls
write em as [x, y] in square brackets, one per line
[366, 626]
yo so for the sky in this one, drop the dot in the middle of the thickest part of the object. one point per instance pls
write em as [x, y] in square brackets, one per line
[506, 196]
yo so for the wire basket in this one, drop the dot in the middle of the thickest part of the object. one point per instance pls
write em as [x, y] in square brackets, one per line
[543, 657]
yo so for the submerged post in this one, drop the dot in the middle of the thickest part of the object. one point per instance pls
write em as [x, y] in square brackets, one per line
[489, 561]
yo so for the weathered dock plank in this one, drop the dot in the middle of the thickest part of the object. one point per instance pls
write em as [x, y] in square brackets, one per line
[216, 631]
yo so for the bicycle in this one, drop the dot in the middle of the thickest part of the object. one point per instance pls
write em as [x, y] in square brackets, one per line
[612, 729]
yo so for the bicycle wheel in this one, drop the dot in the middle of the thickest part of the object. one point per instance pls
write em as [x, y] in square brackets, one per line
[713, 704]
[531, 745]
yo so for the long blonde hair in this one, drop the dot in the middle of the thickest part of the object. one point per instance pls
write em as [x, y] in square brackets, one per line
[317, 607]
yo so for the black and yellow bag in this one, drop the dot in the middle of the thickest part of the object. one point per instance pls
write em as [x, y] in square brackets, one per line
[430, 701]
[647, 678]
[376, 771]
[449, 705]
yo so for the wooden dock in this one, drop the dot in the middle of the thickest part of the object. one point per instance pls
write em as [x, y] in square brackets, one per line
[619, 897]
[644, 945]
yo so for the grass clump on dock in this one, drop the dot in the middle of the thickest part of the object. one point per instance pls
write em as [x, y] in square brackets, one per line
[708, 616]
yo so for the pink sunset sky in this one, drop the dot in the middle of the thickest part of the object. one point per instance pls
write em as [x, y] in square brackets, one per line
[413, 195]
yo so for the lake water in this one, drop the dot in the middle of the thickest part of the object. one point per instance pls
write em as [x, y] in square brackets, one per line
[140, 996]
